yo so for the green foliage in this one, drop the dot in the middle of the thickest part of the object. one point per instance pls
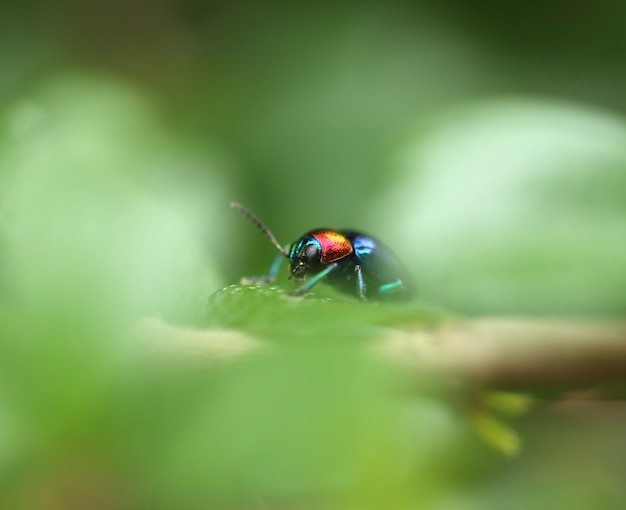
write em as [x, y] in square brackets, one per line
[486, 149]
[515, 206]
[90, 207]
[488, 408]
[93, 243]
[273, 312]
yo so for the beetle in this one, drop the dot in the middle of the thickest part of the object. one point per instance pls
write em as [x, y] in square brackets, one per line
[349, 260]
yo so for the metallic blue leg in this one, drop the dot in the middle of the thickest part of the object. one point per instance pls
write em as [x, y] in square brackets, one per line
[360, 285]
[271, 274]
[269, 277]
[389, 287]
[316, 279]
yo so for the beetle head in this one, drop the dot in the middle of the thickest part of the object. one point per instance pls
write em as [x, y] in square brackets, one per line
[304, 255]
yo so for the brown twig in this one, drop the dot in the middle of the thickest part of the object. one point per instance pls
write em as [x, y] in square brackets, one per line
[516, 352]
[502, 352]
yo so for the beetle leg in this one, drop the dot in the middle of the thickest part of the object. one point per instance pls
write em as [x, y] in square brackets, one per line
[360, 285]
[316, 279]
[390, 287]
[271, 273]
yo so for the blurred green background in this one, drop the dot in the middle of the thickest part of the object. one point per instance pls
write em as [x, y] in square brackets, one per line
[485, 143]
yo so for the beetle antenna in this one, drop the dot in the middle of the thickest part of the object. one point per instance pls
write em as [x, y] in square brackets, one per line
[246, 212]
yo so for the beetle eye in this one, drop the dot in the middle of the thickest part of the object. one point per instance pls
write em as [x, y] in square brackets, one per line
[312, 253]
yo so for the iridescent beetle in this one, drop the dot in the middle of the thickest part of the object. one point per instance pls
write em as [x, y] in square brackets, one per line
[349, 260]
